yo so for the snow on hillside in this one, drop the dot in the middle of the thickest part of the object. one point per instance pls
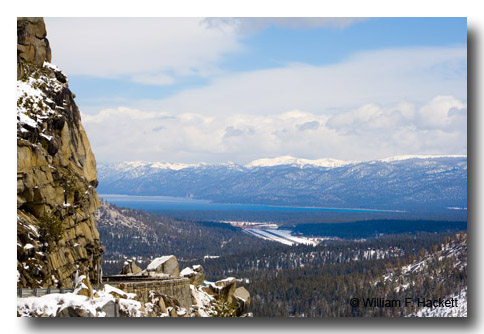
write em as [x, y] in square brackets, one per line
[129, 165]
[289, 160]
[460, 310]
[455, 250]
[407, 157]
[433, 267]
[392, 183]
[267, 162]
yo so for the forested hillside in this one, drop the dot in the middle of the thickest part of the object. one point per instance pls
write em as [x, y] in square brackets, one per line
[421, 183]
[135, 233]
[297, 280]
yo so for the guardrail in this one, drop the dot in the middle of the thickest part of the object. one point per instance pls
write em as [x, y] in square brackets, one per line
[43, 291]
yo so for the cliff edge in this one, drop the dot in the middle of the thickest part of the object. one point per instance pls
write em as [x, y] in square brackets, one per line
[57, 235]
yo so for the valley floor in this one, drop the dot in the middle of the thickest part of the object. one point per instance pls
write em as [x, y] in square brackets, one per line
[292, 275]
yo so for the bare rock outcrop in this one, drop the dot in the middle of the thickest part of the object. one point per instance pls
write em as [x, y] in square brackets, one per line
[167, 265]
[56, 172]
[130, 268]
[242, 299]
[195, 274]
[32, 44]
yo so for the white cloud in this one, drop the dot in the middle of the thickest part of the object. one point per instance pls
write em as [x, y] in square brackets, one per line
[373, 105]
[105, 115]
[443, 112]
[380, 77]
[364, 133]
[147, 50]
[153, 50]
[249, 25]
[159, 79]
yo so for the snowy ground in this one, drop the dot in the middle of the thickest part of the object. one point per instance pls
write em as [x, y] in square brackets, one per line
[282, 236]
[50, 305]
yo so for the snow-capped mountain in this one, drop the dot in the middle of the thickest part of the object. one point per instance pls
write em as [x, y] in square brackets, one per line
[392, 183]
[288, 160]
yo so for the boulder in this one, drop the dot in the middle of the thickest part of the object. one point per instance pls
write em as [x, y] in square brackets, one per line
[110, 309]
[195, 274]
[242, 299]
[162, 304]
[164, 265]
[73, 312]
[130, 268]
[225, 289]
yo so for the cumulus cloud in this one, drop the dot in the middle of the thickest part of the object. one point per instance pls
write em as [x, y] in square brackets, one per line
[146, 50]
[372, 104]
[371, 117]
[312, 125]
[443, 112]
[367, 132]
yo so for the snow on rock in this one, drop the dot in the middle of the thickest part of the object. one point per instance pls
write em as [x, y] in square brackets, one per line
[111, 289]
[33, 105]
[131, 308]
[167, 264]
[50, 305]
[187, 271]
[203, 302]
[195, 274]
[158, 262]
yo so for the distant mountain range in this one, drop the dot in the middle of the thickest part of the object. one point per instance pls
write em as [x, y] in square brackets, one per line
[403, 182]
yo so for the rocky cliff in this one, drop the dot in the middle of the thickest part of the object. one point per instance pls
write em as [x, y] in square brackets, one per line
[56, 172]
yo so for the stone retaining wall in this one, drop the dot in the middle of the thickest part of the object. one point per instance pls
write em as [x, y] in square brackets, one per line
[178, 288]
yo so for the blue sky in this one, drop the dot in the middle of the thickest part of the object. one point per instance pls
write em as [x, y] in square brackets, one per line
[277, 46]
[176, 89]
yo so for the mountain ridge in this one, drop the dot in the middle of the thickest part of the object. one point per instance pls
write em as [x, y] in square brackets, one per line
[277, 161]
[427, 183]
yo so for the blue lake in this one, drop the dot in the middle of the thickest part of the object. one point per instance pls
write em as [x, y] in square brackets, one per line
[167, 203]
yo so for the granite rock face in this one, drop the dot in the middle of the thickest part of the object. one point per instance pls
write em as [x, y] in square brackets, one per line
[32, 44]
[56, 172]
